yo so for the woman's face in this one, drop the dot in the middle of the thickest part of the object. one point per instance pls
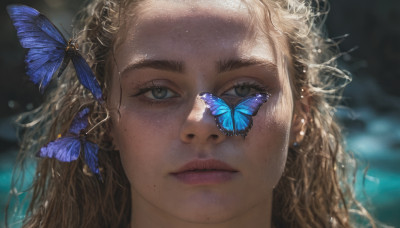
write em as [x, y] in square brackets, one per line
[171, 52]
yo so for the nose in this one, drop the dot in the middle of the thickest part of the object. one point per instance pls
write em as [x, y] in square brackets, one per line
[200, 126]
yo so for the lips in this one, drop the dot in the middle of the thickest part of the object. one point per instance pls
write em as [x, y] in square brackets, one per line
[203, 172]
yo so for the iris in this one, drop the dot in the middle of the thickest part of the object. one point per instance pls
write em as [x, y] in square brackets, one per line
[242, 90]
[159, 93]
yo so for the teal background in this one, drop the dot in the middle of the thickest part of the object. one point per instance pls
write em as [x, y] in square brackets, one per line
[370, 112]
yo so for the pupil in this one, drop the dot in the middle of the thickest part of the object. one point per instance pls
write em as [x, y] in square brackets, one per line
[159, 93]
[242, 91]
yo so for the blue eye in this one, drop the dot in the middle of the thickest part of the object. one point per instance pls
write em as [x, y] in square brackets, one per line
[158, 93]
[245, 89]
[242, 90]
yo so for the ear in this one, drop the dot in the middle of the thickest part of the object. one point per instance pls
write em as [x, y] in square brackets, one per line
[300, 119]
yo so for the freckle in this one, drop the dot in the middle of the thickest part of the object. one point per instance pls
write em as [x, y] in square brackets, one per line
[125, 129]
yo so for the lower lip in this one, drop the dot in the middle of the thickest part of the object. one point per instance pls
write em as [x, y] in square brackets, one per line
[205, 177]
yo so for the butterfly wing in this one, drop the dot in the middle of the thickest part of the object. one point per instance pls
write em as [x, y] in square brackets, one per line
[42, 64]
[221, 112]
[244, 111]
[79, 122]
[91, 158]
[86, 76]
[45, 42]
[34, 30]
[64, 149]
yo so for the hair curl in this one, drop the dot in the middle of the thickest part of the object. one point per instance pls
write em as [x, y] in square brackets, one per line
[315, 189]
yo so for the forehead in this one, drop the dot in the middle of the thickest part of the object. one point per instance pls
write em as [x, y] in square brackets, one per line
[174, 9]
[191, 6]
[191, 19]
[174, 25]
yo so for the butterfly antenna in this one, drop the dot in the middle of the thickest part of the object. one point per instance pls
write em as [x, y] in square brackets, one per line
[102, 121]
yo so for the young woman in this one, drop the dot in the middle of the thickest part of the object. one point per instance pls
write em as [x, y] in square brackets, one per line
[163, 161]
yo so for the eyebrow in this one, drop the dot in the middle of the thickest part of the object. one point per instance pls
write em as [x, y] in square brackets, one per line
[167, 65]
[233, 64]
[177, 66]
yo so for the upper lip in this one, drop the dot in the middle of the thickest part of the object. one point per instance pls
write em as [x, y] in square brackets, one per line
[201, 164]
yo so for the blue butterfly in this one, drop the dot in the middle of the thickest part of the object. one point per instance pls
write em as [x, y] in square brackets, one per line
[68, 148]
[237, 119]
[48, 50]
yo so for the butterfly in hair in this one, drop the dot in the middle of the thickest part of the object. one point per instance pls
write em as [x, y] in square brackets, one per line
[234, 119]
[68, 147]
[48, 50]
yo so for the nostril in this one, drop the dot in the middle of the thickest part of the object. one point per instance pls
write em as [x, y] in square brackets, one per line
[190, 136]
[214, 137]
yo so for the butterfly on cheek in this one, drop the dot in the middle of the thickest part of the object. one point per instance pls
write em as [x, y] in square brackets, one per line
[234, 119]
[48, 50]
[68, 147]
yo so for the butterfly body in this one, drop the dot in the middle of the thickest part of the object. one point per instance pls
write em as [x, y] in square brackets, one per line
[67, 148]
[70, 51]
[48, 50]
[234, 119]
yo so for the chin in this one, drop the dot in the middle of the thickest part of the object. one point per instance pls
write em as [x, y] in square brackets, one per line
[208, 216]
[209, 209]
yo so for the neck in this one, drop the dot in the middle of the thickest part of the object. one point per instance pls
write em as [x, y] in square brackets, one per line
[145, 215]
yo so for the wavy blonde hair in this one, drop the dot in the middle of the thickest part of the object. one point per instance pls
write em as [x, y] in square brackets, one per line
[314, 191]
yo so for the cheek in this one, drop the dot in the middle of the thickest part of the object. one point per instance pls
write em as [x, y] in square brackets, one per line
[269, 138]
[142, 140]
[270, 146]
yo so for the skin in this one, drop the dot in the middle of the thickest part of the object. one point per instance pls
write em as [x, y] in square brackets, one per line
[158, 136]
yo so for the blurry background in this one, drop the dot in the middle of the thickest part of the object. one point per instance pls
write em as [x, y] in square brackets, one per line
[372, 116]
